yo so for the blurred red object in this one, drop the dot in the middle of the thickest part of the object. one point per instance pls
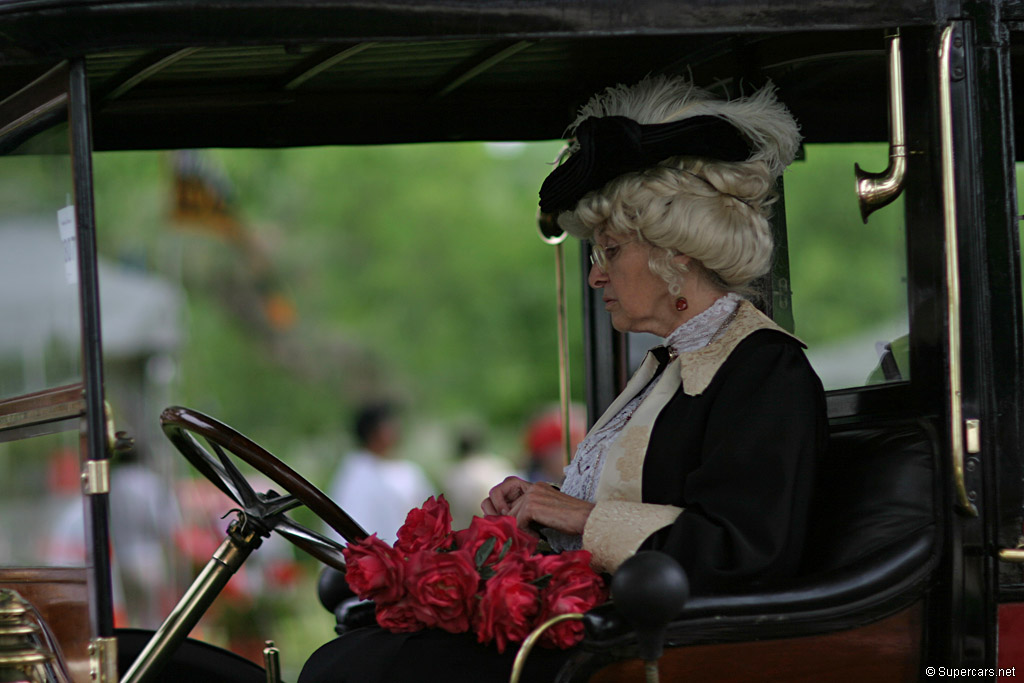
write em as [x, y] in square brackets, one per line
[545, 431]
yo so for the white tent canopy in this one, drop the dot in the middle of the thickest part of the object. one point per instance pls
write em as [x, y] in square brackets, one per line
[140, 312]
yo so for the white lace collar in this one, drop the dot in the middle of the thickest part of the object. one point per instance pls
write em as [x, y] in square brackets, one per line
[701, 330]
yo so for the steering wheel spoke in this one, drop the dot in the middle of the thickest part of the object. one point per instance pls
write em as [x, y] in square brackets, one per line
[246, 493]
[297, 532]
[181, 425]
[280, 504]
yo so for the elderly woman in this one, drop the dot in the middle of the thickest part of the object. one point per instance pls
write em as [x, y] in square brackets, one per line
[708, 454]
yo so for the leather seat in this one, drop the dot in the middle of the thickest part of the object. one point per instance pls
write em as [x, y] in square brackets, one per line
[873, 542]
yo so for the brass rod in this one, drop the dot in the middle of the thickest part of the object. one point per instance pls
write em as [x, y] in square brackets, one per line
[211, 580]
[551, 233]
[272, 662]
[949, 206]
[1012, 555]
[531, 640]
[564, 387]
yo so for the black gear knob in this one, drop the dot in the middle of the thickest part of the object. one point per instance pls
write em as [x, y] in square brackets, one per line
[332, 588]
[649, 590]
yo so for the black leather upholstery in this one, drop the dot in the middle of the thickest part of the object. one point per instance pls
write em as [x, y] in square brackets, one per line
[873, 540]
[875, 492]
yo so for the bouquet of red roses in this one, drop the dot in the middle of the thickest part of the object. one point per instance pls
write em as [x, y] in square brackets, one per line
[488, 579]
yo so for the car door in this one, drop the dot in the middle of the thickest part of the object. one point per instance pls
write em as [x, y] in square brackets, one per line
[53, 426]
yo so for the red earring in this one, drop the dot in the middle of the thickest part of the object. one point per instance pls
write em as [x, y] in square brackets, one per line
[682, 304]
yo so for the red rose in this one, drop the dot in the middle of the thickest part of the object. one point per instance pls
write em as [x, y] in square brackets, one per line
[375, 570]
[398, 617]
[499, 527]
[506, 610]
[426, 528]
[441, 587]
[573, 587]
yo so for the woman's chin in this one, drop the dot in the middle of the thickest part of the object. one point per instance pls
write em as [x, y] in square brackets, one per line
[625, 323]
[620, 325]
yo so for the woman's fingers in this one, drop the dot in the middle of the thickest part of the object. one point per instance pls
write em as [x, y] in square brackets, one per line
[546, 506]
[537, 505]
[488, 507]
[500, 499]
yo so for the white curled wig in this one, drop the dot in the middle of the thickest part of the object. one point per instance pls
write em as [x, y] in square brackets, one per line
[717, 212]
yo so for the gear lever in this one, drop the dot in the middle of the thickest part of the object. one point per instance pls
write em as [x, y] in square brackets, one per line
[649, 590]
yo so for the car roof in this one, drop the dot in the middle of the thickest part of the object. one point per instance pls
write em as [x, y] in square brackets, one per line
[270, 73]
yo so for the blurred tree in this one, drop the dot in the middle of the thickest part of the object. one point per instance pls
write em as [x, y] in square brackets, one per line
[412, 270]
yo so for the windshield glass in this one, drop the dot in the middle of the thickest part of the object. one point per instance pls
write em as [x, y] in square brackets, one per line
[40, 342]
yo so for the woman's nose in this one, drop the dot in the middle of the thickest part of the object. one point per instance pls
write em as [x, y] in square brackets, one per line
[597, 277]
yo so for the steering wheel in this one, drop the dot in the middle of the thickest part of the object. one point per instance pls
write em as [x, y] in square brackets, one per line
[266, 510]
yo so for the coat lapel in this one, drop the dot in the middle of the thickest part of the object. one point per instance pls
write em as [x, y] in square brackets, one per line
[622, 474]
[636, 383]
[698, 368]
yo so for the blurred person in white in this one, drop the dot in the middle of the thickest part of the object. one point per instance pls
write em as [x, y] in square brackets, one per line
[470, 478]
[372, 484]
[144, 516]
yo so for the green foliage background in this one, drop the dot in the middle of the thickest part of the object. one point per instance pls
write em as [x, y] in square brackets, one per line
[415, 272]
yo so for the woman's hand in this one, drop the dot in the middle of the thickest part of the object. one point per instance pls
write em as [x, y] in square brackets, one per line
[537, 503]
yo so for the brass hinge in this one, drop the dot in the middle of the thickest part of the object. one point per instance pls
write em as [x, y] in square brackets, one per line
[96, 477]
[103, 660]
[972, 433]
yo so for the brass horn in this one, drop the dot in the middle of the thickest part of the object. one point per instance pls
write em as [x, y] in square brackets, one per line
[875, 190]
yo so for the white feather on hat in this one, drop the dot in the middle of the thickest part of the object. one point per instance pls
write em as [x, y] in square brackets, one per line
[760, 117]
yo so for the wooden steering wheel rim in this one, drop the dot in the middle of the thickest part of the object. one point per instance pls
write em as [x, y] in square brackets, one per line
[177, 423]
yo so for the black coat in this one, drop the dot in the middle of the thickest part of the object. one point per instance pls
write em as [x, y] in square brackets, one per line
[740, 459]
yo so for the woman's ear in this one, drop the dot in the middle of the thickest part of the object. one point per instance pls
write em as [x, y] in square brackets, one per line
[682, 260]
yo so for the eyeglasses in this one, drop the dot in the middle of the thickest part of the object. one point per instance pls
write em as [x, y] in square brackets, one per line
[600, 256]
